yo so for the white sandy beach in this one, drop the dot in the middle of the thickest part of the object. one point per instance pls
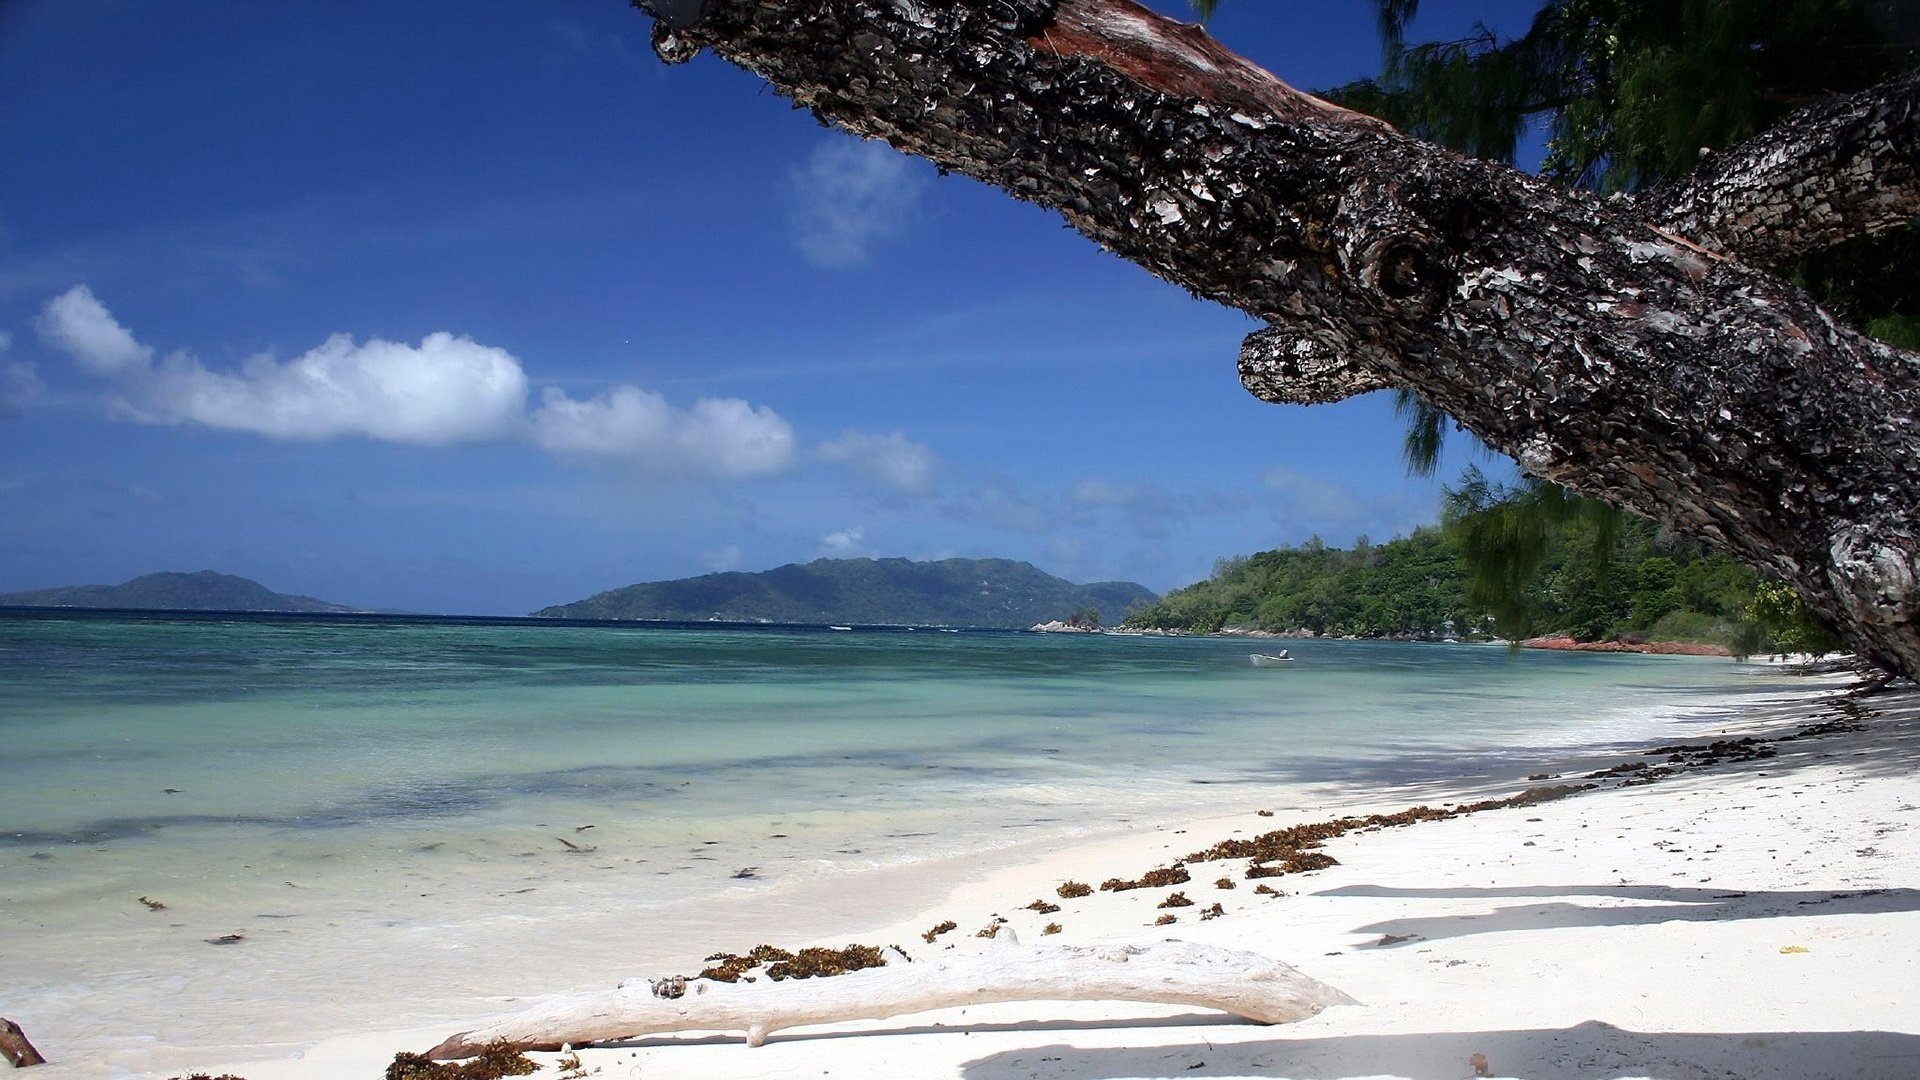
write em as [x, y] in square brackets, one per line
[1744, 919]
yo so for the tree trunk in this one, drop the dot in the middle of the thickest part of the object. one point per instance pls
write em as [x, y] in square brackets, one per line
[1594, 340]
[1165, 972]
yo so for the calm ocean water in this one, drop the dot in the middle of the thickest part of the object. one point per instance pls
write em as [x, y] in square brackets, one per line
[421, 803]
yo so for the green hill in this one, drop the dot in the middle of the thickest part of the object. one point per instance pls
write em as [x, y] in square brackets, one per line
[202, 591]
[951, 592]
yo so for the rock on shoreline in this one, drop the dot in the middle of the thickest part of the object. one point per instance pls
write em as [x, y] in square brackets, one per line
[1664, 648]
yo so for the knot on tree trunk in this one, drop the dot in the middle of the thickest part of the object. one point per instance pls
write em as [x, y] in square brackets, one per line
[1305, 365]
[1876, 577]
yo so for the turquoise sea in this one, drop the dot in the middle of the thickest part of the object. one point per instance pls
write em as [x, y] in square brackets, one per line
[422, 805]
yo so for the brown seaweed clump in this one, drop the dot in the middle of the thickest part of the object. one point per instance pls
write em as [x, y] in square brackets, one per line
[1043, 907]
[1152, 879]
[1178, 899]
[938, 930]
[1292, 850]
[1166, 920]
[1050, 928]
[1073, 890]
[1224, 883]
[1267, 890]
[780, 964]
[1213, 912]
[496, 1059]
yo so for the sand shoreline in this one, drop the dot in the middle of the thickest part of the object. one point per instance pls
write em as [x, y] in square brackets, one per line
[1556, 940]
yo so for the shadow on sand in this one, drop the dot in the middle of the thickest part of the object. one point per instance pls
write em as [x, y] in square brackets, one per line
[1586, 1051]
[1664, 904]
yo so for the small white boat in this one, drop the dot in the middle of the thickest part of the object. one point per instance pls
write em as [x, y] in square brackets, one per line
[839, 627]
[1261, 659]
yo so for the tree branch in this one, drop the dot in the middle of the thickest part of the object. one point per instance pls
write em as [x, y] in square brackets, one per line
[1608, 356]
[1827, 173]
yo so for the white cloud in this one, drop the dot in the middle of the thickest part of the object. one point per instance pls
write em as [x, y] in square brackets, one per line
[78, 324]
[892, 460]
[845, 544]
[850, 196]
[448, 389]
[722, 436]
[445, 390]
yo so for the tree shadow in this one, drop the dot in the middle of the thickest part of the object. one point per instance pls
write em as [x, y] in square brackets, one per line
[1667, 904]
[1584, 1052]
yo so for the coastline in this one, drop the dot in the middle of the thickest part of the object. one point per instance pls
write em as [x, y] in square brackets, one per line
[1541, 938]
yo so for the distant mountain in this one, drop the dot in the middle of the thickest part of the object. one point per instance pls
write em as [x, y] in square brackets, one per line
[951, 592]
[202, 591]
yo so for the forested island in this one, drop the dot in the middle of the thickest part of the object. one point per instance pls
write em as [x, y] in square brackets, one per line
[202, 590]
[1593, 582]
[947, 592]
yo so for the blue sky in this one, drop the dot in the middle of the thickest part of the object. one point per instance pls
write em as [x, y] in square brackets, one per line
[479, 309]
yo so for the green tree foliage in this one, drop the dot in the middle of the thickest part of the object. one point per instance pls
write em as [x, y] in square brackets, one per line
[1592, 575]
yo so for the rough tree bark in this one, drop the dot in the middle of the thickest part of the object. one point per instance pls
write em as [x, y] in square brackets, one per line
[1637, 352]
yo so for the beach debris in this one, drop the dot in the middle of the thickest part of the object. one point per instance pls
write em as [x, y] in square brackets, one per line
[746, 873]
[1050, 928]
[583, 828]
[487, 1062]
[15, 1047]
[1073, 890]
[1158, 878]
[1394, 939]
[809, 963]
[1043, 907]
[1264, 813]
[1178, 899]
[1292, 850]
[576, 849]
[1480, 1065]
[227, 939]
[944, 927]
[1264, 889]
[1166, 920]
[672, 986]
[1795, 949]
[169, 791]
[152, 904]
[992, 929]
[1224, 883]
[1166, 972]
[1213, 912]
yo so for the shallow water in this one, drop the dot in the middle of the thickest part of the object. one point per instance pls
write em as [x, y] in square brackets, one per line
[423, 804]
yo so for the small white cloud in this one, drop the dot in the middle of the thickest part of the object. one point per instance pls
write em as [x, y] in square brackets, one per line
[892, 460]
[78, 324]
[19, 387]
[724, 558]
[443, 391]
[1093, 491]
[721, 436]
[850, 196]
[845, 544]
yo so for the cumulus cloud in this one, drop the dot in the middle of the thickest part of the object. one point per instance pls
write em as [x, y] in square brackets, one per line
[446, 390]
[891, 460]
[725, 436]
[78, 324]
[845, 544]
[850, 196]
[443, 391]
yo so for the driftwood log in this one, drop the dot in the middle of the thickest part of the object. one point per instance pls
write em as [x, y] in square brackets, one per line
[1642, 351]
[15, 1047]
[1166, 972]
